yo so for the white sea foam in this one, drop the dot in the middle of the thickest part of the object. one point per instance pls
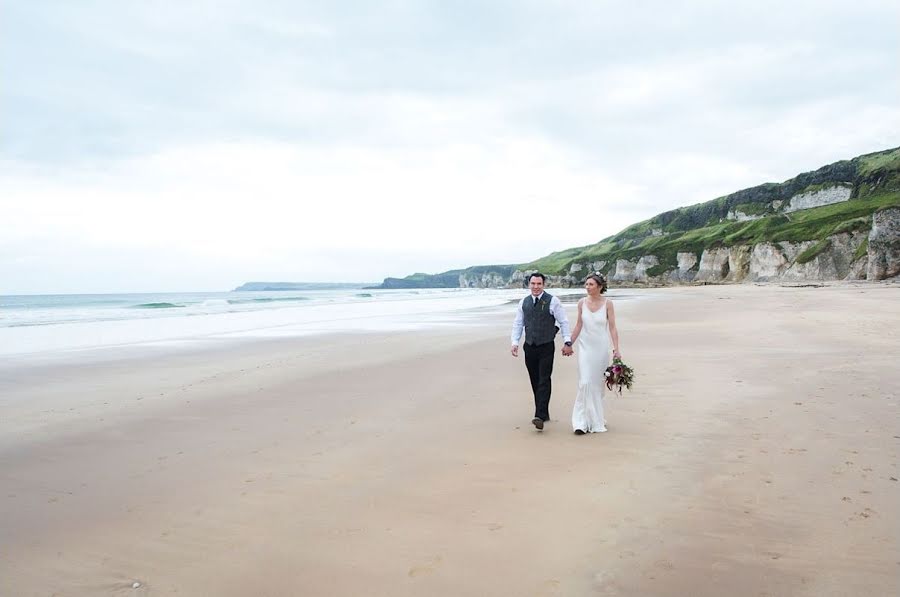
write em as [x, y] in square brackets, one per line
[38, 325]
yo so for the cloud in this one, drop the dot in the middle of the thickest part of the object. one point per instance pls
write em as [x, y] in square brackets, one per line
[216, 140]
[253, 202]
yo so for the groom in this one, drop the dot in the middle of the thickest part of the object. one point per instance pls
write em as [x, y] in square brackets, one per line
[541, 315]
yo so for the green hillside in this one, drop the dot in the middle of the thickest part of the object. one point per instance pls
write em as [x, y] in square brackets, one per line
[872, 181]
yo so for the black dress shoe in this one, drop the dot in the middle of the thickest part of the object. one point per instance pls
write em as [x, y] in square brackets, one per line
[579, 432]
[538, 423]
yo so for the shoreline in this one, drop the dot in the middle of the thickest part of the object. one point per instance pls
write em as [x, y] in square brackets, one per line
[44, 330]
[405, 464]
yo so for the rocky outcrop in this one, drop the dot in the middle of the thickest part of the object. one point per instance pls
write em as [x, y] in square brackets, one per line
[644, 264]
[767, 262]
[858, 255]
[597, 266]
[685, 271]
[833, 261]
[738, 263]
[577, 273]
[713, 265]
[858, 269]
[825, 196]
[624, 271]
[739, 216]
[517, 279]
[485, 280]
[884, 245]
[574, 276]
[686, 261]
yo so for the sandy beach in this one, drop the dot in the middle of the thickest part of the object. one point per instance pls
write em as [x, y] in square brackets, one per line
[757, 455]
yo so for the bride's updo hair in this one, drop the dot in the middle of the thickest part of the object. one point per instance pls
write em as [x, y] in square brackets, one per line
[600, 279]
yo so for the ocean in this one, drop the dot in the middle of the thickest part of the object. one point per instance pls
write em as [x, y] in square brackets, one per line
[40, 324]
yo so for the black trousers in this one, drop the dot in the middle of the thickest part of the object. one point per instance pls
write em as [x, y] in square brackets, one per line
[539, 362]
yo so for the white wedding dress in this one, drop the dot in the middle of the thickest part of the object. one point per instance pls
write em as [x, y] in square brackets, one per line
[593, 351]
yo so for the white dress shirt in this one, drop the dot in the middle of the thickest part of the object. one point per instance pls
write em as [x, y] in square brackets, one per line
[556, 309]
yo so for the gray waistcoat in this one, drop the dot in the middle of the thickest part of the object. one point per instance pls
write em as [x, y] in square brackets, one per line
[540, 325]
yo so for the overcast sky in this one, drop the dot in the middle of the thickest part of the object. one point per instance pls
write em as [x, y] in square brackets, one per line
[195, 145]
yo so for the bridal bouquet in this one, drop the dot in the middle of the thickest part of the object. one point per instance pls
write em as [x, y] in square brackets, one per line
[618, 375]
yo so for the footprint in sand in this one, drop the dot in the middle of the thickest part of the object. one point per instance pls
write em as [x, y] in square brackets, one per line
[664, 564]
[604, 584]
[426, 568]
[551, 584]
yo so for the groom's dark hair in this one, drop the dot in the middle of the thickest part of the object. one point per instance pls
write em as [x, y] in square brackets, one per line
[539, 275]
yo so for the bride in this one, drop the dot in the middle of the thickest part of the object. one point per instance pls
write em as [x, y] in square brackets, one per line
[595, 328]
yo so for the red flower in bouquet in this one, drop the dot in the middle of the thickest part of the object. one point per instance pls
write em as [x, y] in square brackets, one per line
[619, 375]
